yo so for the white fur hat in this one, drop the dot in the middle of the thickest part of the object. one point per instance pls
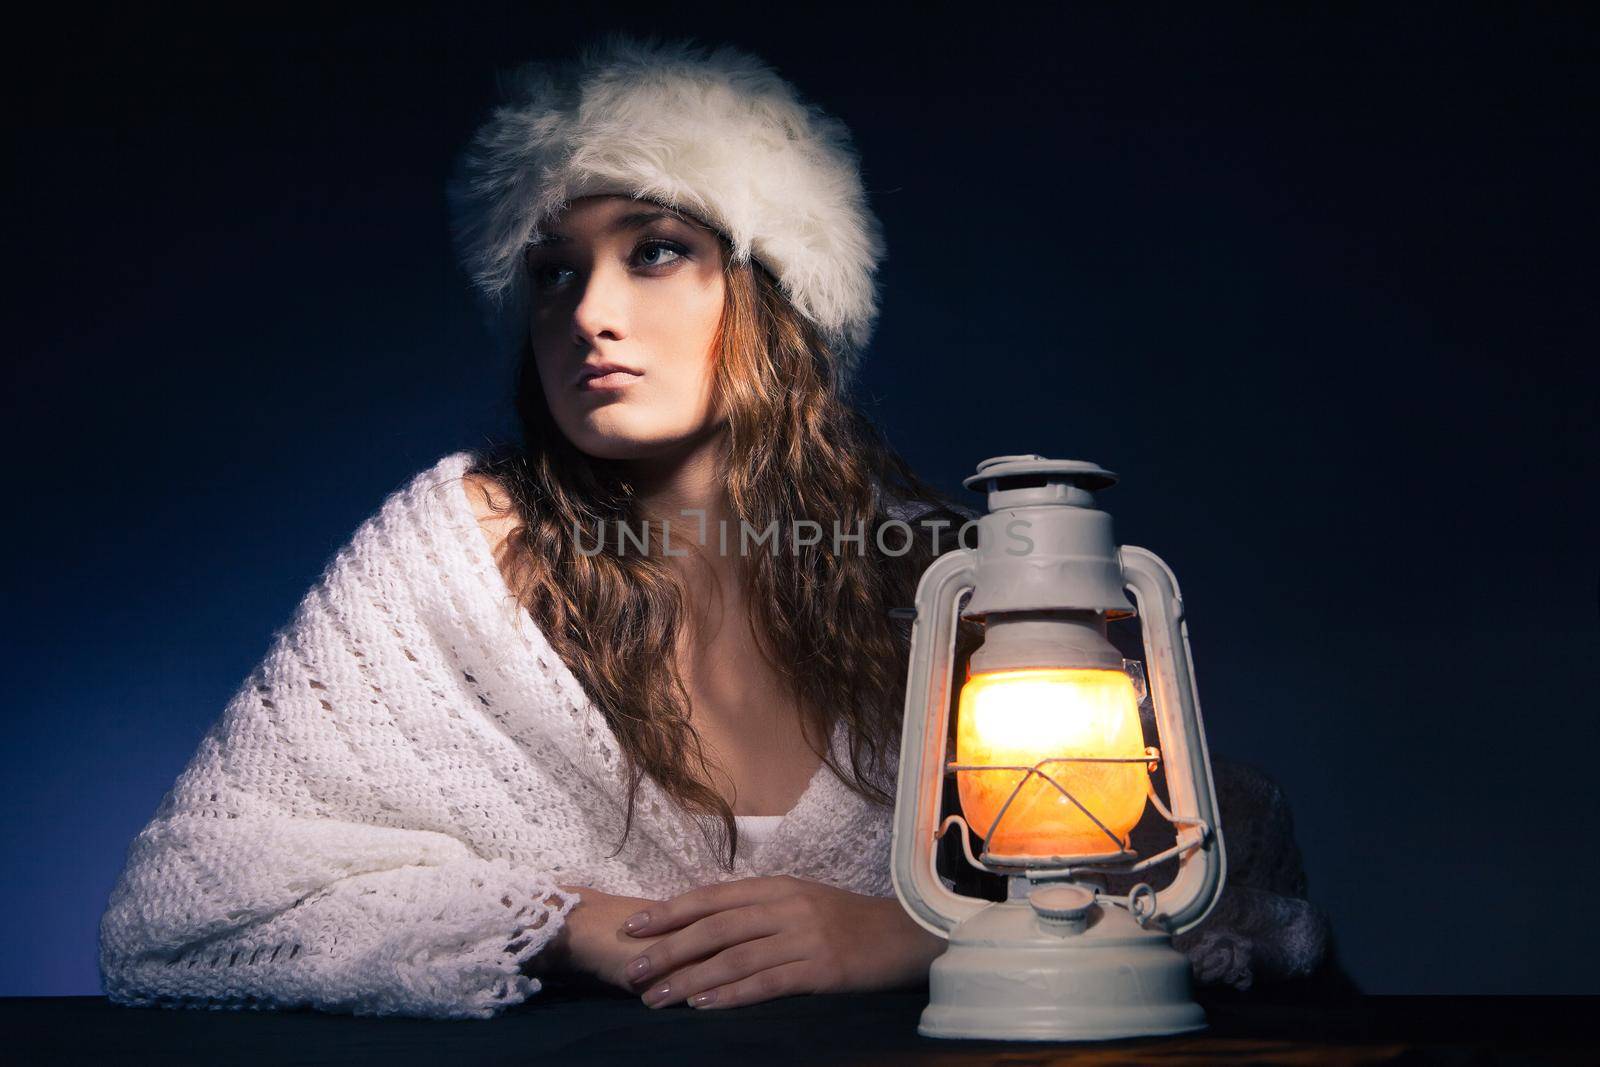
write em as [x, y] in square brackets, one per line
[719, 136]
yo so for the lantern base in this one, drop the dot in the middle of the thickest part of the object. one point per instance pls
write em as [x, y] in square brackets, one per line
[1006, 977]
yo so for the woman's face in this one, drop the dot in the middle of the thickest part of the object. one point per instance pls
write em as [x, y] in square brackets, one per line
[621, 281]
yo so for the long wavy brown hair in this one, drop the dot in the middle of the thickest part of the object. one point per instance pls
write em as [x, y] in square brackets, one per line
[796, 449]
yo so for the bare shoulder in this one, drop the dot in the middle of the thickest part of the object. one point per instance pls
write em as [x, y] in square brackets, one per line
[492, 506]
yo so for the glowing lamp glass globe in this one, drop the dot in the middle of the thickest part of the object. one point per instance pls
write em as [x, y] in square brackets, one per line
[1019, 717]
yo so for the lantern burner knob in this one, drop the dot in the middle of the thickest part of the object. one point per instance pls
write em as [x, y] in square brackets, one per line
[1062, 908]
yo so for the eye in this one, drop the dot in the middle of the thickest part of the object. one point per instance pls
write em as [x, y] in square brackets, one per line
[672, 248]
[649, 254]
[540, 274]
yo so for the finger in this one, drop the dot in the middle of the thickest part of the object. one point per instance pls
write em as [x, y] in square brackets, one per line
[675, 912]
[732, 964]
[784, 980]
[685, 908]
[703, 938]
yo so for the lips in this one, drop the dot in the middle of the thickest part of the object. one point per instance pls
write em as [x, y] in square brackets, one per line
[602, 369]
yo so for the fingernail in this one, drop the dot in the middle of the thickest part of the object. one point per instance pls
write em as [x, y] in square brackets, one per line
[638, 968]
[636, 921]
[700, 1000]
[658, 994]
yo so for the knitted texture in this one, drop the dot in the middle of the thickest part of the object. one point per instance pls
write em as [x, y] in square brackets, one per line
[385, 806]
[1263, 929]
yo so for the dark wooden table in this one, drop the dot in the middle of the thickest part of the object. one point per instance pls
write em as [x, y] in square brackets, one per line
[588, 1026]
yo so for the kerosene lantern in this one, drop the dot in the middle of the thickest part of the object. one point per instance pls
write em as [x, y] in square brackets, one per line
[1052, 772]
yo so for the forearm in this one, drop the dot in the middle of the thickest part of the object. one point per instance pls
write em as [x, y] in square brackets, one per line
[556, 958]
[922, 946]
[422, 940]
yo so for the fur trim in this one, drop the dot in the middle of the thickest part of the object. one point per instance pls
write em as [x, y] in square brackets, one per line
[719, 135]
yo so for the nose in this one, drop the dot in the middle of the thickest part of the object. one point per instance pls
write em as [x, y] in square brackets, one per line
[601, 311]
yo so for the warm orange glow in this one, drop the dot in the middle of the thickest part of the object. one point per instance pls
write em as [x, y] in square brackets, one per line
[1020, 717]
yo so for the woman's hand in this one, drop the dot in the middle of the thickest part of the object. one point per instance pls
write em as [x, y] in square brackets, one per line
[755, 939]
[590, 942]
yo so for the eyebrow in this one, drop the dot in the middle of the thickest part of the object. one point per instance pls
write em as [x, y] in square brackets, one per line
[632, 221]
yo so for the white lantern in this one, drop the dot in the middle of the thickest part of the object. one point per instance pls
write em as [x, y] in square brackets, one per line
[1053, 772]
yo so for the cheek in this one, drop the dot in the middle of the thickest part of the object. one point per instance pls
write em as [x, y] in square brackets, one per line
[549, 373]
[549, 334]
[680, 325]
[544, 330]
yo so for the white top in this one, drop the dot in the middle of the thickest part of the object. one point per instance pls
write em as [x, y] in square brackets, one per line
[756, 830]
[377, 821]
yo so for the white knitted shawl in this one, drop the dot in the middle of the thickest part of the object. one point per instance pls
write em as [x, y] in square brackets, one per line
[386, 805]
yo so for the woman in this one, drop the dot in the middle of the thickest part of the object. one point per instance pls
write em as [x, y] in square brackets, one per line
[496, 728]
[549, 712]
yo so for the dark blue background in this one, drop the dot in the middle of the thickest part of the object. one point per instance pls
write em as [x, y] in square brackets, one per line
[1319, 286]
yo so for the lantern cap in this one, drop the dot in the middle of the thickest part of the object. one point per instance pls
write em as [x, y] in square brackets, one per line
[1079, 472]
[1044, 545]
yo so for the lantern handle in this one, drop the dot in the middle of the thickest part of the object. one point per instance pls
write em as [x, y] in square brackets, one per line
[1190, 789]
[922, 748]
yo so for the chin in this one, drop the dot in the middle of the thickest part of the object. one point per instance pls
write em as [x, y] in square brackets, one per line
[611, 449]
[623, 442]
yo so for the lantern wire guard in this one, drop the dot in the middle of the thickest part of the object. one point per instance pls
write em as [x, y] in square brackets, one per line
[1190, 832]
